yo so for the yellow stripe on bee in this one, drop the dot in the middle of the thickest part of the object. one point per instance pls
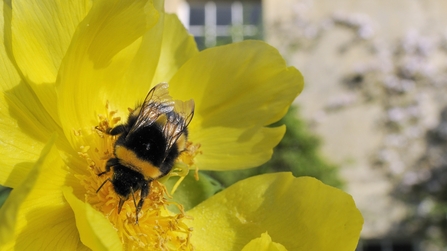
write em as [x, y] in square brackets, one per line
[129, 159]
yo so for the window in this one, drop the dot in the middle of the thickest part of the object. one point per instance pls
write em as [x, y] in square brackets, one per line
[216, 23]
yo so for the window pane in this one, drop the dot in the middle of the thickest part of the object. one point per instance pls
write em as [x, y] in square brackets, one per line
[196, 14]
[223, 14]
[252, 13]
[227, 22]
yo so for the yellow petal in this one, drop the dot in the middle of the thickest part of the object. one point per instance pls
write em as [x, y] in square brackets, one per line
[177, 47]
[300, 213]
[36, 215]
[238, 85]
[25, 123]
[233, 148]
[164, 48]
[97, 60]
[237, 89]
[41, 33]
[24, 126]
[15, 145]
[95, 230]
[152, 59]
[9, 76]
[263, 243]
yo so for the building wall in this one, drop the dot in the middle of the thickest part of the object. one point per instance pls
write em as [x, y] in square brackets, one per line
[333, 41]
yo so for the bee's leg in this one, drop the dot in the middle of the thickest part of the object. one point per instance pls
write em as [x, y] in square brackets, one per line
[120, 204]
[103, 184]
[135, 203]
[111, 162]
[143, 194]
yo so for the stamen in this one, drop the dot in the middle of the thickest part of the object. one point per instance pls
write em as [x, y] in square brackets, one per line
[177, 184]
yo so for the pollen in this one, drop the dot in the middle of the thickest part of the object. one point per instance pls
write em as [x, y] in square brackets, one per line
[157, 228]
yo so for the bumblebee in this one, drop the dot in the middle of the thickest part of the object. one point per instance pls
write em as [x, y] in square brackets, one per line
[147, 145]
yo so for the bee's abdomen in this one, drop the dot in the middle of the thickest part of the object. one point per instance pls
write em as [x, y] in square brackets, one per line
[145, 151]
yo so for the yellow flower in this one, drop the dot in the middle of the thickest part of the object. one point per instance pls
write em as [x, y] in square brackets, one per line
[70, 66]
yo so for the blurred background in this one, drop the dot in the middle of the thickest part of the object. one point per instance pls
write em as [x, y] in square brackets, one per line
[372, 118]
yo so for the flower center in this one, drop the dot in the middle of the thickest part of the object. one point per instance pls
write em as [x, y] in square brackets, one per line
[157, 228]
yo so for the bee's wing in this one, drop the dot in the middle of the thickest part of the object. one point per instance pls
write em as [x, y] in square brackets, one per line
[157, 102]
[177, 121]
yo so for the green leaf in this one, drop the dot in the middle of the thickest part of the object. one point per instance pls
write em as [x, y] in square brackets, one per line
[191, 191]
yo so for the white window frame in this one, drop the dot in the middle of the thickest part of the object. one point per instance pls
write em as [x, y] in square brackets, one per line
[237, 30]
